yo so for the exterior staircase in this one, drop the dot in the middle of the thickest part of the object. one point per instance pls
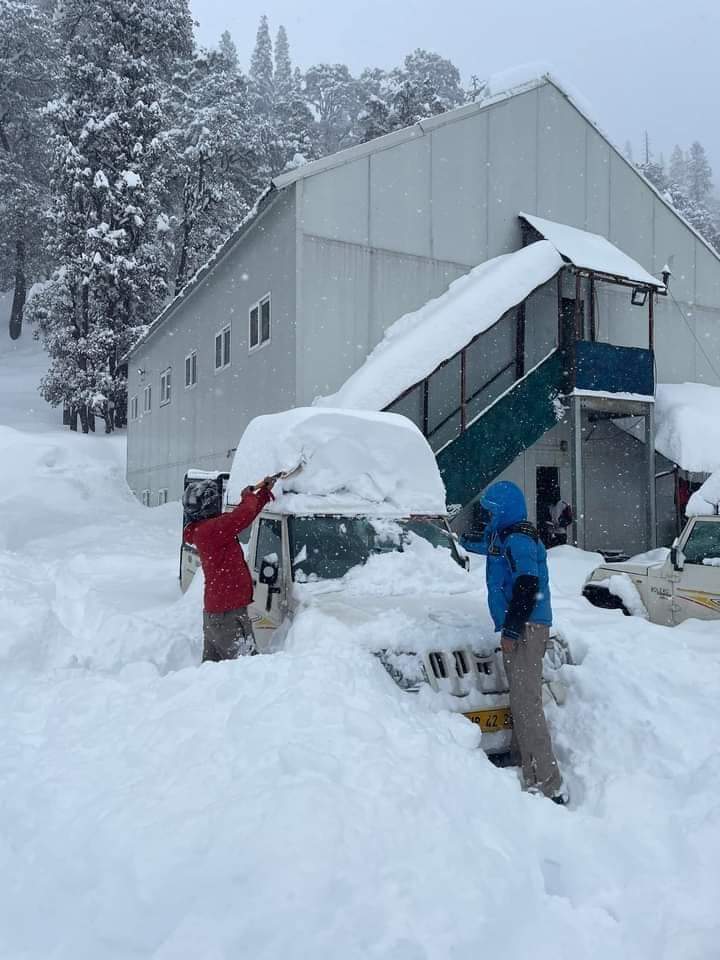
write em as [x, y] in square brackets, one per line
[480, 413]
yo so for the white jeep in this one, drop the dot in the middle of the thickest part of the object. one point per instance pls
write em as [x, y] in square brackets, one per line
[674, 584]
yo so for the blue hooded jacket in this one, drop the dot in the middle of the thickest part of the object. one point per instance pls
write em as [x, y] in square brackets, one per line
[511, 557]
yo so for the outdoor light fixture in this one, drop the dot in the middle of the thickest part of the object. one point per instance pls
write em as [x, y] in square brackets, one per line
[639, 296]
[666, 274]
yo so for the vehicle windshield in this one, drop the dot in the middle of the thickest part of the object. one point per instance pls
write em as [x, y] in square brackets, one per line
[326, 547]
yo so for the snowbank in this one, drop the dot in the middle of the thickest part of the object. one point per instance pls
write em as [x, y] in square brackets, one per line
[352, 462]
[705, 501]
[300, 805]
[687, 425]
[418, 342]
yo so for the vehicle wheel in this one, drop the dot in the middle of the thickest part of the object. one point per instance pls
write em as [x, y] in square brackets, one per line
[601, 597]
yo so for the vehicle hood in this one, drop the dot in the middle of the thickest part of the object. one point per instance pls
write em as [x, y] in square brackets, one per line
[632, 569]
[411, 623]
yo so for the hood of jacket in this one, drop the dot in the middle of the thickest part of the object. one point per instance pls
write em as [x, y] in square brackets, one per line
[505, 502]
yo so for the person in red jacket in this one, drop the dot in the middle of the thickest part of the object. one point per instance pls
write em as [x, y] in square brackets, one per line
[227, 629]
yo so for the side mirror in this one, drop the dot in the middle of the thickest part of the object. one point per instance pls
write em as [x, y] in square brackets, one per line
[677, 558]
[269, 570]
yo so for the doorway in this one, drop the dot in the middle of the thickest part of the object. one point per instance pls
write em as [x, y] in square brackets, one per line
[547, 494]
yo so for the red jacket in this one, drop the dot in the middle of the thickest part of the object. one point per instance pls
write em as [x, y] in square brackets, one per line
[228, 584]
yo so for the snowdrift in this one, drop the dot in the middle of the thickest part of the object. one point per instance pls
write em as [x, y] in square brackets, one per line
[352, 461]
[300, 805]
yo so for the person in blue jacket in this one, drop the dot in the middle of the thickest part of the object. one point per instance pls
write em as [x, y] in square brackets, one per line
[520, 605]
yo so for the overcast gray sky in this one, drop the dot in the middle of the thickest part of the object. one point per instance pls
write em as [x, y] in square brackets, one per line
[640, 64]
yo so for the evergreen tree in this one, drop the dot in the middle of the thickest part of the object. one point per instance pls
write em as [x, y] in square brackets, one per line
[261, 71]
[109, 227]
[228, 50]
[333, 95]
[27, 76]
[283, 75]
[698, 182]
[677, 174]
[290, 139]
[211, 157]
[653, 169]
[424, 86]
[437, 78]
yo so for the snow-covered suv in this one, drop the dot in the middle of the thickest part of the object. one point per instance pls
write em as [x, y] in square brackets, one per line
[361, 536]
[672, 585]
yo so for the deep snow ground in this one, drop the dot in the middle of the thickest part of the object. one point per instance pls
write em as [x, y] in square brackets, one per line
[300, 805]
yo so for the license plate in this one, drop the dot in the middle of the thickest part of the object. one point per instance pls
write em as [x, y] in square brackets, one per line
[491, 721]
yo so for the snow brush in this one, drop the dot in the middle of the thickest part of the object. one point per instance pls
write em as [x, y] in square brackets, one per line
[283, 474]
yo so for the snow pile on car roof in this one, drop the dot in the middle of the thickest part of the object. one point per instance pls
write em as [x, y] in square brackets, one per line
[419, 342]
[353, 461]
[687, 425]
[705, 502]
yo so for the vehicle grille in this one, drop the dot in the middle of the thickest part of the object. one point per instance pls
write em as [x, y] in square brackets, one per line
[461, 671]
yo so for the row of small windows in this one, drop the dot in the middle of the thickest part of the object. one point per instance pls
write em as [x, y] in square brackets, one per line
[146, 497]
[258, 335]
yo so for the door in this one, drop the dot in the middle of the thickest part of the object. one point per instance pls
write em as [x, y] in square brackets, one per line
[547, 494]
[697, 589]
[269, 578]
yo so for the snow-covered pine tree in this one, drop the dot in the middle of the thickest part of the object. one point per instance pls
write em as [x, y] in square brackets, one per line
[424, 86]
[291, 140]
[375, 92]
[690, 190]
[261, 71]
[437, 78]
[27, 75]
[677, 173]
[283, 73]
[653, 169]
[334, 98]
[109, 226]
[212, 158]
[228, 50]
[698, 176]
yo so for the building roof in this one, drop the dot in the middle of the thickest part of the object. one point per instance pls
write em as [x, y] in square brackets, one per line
[500, 87]
[590, 251]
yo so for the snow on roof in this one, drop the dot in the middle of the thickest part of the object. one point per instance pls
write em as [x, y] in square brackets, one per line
[353, 462]
[705, 502]
[590, 251]
[687, 425]
[418, 342]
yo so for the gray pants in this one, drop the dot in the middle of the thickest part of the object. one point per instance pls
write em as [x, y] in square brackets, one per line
[530, 732]
[228, 635]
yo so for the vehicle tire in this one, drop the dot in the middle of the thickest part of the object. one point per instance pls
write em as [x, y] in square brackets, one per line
[601, 597]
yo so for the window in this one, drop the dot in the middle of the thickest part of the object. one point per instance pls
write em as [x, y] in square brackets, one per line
[325, 548]
[165, 386]
[259, 332]
[134, 408]
[147, 399]
[145, 496]
[269, 543]
[162, 496]
[222, 348]
[191, 369]
[703, 544]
